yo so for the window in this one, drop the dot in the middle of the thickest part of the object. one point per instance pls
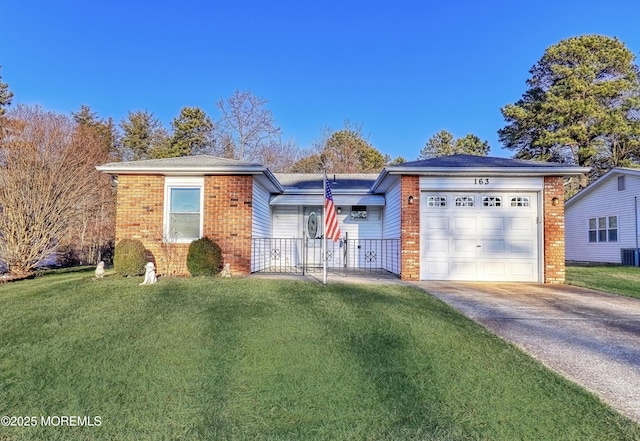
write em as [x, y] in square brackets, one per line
[183, 213]
[492, 201]
[436, 201]
[620, 183]
[359, 212]
[613, 229]
[603, 229]
[592, 231]
[520, 201]
[464, 201]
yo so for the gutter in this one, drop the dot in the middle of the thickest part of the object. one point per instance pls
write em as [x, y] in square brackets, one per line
[193, 171]
[476, 171]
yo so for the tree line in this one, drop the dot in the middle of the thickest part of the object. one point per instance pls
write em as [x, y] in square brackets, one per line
[246, 131]
[581, 107]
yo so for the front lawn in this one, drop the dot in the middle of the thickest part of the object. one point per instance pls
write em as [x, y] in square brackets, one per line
[251, 359]
[624, 280]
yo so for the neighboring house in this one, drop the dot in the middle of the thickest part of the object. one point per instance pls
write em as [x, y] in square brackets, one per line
[459, 217]
[602, 221]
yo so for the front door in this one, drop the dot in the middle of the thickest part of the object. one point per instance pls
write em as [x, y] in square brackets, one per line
[313, 235]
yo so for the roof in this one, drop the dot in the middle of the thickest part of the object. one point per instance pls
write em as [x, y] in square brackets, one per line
[343, 183]
[339, 181]
[198, 165]
[183, 162]
[471, 165]
[463, 161]
[613, 173]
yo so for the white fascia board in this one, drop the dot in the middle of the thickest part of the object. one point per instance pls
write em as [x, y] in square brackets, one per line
[269, 181]
[490, 171]
[478, 172]
[320, 191]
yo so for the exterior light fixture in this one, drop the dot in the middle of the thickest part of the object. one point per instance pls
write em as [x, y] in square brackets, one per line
[555, 201]
[410, 200]
[339, 210]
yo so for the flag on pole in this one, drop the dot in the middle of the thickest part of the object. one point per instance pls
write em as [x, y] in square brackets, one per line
[332, 228]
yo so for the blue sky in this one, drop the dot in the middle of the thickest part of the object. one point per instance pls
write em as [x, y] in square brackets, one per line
[403, 69]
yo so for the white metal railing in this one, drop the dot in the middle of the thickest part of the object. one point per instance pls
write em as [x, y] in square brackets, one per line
[296, 255]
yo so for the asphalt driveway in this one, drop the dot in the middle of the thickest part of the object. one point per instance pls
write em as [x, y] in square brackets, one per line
[590, 337]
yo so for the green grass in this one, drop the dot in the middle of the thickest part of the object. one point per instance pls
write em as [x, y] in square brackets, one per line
[249, 359]
[622, 280]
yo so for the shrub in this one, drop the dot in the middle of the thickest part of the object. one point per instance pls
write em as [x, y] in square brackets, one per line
[204, 257]
[130, 258]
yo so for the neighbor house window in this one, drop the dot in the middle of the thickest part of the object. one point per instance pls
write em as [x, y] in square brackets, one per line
[603, 229]
[183, 214]
[620, 183]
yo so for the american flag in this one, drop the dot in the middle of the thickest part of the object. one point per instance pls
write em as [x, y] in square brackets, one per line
[331, 219]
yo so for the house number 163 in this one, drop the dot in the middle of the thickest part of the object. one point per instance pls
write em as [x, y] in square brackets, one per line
[481, 181]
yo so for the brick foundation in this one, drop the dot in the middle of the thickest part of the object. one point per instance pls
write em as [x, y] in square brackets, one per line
[410, 228]
[554, 266]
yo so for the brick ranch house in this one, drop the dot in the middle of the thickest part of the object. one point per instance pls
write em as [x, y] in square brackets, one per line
[458, 217]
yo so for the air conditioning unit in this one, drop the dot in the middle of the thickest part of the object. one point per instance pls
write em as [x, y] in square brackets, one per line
[629, 257]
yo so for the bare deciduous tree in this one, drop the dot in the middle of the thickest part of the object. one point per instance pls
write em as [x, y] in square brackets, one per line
[48, 185]
[247, 126]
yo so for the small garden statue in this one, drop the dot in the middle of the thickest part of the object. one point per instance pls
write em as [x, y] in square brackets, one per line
[100, 270]
[226, 271]
[149, 274]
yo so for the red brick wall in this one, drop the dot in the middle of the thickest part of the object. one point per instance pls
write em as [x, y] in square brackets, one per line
[140, 214]
[554, 269]
[410, 228]
[228, 218]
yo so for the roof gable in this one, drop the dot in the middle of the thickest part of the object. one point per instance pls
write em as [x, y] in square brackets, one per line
[613, 173]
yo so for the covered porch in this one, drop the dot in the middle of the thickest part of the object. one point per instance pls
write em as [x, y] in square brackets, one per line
[344, 257]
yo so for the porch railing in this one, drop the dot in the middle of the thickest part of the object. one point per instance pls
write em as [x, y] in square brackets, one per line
[296, 255]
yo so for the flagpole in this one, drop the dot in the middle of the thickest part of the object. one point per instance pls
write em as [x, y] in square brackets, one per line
[324, 228]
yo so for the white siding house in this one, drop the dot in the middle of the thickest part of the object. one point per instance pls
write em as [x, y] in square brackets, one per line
[603, 219]
[298, 219]
[261, 224]
[391, 228]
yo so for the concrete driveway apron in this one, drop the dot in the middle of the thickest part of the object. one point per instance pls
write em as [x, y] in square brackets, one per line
[590, 337]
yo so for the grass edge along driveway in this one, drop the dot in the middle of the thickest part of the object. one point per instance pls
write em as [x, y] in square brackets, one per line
[200, 358]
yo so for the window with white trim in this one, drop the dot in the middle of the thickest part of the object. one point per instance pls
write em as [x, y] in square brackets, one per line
[520, 201]
[603, 229]
[492, 201]
[465, 201]
[436, 201]
[183, 209]
[359, 212]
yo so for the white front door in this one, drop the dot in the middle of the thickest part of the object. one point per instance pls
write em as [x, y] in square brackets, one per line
[479, 236]
[313, 231]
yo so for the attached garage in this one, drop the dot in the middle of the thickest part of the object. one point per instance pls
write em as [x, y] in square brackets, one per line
[473, 218]
[479, 236]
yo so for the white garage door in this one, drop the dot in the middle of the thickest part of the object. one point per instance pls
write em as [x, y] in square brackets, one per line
[479, 236]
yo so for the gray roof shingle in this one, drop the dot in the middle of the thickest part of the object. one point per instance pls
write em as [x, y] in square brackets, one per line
[198, 161]
[456, 161]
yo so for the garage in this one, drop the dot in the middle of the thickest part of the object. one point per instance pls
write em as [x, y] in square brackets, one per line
[480, 236]
[477, 218]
